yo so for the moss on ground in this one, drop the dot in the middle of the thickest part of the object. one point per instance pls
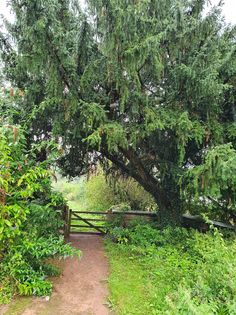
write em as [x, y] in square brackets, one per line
[17, 306]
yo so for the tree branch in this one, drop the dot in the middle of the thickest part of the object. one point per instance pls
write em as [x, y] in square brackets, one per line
[137, 172]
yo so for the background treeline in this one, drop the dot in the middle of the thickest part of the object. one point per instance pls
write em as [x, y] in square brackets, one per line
[99, 192]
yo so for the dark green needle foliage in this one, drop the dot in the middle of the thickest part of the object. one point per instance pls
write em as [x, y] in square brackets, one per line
[146, 84]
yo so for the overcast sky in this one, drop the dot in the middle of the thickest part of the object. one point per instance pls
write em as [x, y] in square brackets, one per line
[229, 9]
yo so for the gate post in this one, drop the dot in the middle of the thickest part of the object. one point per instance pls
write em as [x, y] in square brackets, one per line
[67, 221]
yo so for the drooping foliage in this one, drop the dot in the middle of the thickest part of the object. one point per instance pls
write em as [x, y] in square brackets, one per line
[213, 183]
[148, 85]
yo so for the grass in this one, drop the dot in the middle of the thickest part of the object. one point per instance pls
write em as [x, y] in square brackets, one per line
[174, 272]
[83, 195]
[129, 286]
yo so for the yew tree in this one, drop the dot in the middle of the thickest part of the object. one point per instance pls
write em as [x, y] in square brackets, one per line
[148, 85]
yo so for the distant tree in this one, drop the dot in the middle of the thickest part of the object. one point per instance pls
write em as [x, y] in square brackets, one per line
[146, 84]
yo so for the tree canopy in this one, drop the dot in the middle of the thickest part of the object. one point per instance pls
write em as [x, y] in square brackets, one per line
[147, 85]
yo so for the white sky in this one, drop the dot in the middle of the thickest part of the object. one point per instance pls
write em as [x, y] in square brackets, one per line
[229, 9]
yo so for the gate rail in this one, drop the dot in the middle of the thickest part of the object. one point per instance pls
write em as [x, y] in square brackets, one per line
[75, 222]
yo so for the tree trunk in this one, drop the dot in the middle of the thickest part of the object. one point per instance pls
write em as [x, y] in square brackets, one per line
[169, 214]
[166, 193]
[169, 204]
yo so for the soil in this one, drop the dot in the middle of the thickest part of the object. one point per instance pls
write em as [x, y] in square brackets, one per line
[82, 287]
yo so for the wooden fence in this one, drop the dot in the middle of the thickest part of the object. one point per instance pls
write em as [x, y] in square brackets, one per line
[94, 222]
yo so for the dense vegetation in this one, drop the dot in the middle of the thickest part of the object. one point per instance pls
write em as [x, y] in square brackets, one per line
[144, 89]
[148, 86]
[170, 271]
[98, 192]
[174, 271]
[30, 218]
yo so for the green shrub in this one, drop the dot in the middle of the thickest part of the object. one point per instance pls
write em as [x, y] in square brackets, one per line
[24, 263]
[213, 288]
[30, 218]
[43, 220]
[183, 271]
[144, 234]
[98, 194]
[128, 191]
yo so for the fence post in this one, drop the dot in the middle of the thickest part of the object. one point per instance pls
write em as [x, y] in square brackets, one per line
[67, 219]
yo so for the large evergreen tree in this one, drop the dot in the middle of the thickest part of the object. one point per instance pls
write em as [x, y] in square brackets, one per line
[146, 84]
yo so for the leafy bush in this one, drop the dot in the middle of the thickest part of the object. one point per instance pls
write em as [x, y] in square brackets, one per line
[43, 220]
[98, 194]
[24, 263]
[30, 218]
[101, 193]
[182, 271]
[128, 191]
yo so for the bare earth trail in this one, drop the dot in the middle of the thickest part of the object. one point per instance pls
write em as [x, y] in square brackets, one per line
[82, 287]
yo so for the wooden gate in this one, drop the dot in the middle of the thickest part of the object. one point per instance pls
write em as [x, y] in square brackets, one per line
[94, 222]
[85, 222]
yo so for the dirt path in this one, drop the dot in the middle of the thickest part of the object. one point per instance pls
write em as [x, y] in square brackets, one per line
[82, 287]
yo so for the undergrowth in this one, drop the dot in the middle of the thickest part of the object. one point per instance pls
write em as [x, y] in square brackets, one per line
[30, 220]
[173, 271]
